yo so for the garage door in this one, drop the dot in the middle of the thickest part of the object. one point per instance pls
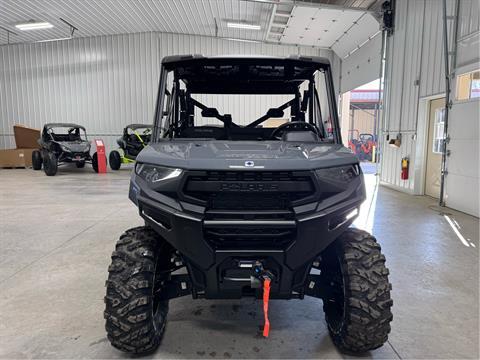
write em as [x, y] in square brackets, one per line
[363, 66]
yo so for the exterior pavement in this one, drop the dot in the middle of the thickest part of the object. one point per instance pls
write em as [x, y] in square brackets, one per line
[57, 234]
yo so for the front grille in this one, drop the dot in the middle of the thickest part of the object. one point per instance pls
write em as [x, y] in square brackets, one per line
[249, 190]
[258, 203]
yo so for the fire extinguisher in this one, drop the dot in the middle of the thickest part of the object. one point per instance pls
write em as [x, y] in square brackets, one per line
[405, 163]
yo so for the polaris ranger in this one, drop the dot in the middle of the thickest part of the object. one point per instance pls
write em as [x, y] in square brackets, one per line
[257, 207]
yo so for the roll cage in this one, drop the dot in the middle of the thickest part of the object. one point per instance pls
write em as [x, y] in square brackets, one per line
[195, 74]
[133, 141]
[74, 132]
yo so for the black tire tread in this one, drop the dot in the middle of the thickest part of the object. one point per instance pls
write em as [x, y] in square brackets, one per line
[36, 160]
[115, 160]
[50, 165]
[129, 319]
[368, 303]
[95, 162]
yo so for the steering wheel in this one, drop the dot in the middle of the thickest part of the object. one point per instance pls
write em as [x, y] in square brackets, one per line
[277, 134]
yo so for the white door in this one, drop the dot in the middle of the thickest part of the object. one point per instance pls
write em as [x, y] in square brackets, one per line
[434, 150]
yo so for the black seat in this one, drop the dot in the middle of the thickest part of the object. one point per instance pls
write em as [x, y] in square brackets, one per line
[300, 136]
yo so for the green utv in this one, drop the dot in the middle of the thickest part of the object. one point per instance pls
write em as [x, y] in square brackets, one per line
[135, 137]
[247, 207]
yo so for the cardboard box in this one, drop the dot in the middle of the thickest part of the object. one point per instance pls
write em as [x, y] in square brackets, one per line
[25, 137]
[273, 123]
[14, 158]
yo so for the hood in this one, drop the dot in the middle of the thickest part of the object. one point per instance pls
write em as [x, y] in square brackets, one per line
[227, 155]
[76, 146]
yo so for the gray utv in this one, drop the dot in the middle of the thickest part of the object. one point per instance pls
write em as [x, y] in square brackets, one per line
[62, 143]
[238, 206]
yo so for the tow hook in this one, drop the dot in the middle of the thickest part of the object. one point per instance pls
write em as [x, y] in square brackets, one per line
[265, 277]
[260, 278]
[266, 297]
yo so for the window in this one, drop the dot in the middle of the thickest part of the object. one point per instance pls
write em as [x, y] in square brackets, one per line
[468, 85]
[438, 131]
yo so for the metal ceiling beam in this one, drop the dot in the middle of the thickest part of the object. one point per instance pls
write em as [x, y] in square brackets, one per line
[176, 33]
[315, 5]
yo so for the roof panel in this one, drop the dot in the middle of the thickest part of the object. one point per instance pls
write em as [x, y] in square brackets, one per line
[101, 17]
[308, 25]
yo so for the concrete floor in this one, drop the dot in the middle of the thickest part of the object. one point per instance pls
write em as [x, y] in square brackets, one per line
[57, 234]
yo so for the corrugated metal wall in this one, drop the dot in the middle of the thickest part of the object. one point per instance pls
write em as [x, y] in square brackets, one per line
[468, 36]
[416, 73]
[469, 18]
[416, 69]
[102, 82]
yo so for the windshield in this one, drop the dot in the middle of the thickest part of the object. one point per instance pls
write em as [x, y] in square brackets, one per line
[67, 133]
[249, 99]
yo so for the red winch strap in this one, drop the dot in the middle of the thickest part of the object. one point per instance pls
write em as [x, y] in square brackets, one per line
[266, 296]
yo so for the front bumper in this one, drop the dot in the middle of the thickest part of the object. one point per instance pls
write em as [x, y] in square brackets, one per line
[74, 157]
[215, 271]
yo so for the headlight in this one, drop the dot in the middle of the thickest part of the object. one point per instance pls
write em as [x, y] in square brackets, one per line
[65, 148]
[342, 174]
[153, 173]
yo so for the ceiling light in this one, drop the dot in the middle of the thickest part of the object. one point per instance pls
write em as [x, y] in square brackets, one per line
[242, 40]
[243, 26]
[34, 26]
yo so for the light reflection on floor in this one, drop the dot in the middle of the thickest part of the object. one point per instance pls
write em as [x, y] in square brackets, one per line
[365, 219]
[456, 229]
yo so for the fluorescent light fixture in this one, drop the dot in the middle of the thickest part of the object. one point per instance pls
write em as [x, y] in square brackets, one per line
[34, 26]
[242, 40]
[243, 26]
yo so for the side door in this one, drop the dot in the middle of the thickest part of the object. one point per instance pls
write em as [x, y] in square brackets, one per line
[434, 150]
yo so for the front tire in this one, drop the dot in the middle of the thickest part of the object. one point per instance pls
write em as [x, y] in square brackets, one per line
[50, 164]
[36, 160]
[135, 318]
[357, 307]
[95, 162]
[115, 160]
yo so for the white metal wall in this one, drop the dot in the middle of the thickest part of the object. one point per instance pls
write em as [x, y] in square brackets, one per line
[102, 82]
[415, 69]
[416, 74]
